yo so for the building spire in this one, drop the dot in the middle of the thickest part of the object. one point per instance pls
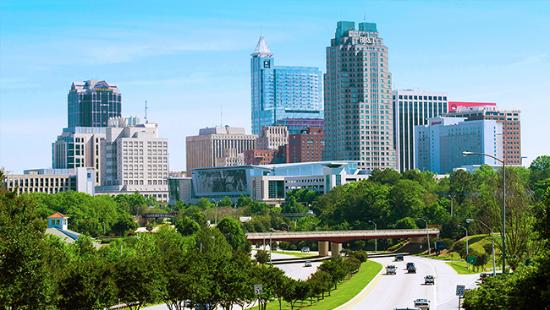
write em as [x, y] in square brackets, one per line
[261, 48]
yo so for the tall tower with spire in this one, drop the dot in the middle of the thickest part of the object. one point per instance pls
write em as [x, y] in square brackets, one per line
[262, 77]
[283, 95]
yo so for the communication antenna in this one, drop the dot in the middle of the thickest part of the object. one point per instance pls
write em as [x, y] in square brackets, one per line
[221, 115]
[146, 121]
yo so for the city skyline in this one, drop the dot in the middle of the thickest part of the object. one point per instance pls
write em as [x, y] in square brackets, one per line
[183, 70]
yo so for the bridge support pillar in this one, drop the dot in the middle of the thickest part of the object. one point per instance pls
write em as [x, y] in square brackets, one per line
[335, 248]
[323, 248]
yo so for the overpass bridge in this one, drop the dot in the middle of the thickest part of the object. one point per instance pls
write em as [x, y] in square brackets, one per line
[336, 238]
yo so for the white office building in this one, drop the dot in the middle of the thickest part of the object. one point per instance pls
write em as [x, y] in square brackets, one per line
[52, 181]
[135, 159]
[440, 144]
[413, 107]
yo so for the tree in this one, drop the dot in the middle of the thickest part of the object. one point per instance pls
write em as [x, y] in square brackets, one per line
[406, 223]
[233, 233]
[539, 170]
[386, 176]
[320, 283]
[273, 281]
[138, 281]
[262, 256]
[335, 268]
[225, 202]
[233, 281]
[24, 279]
[185, 225]
[87, 284]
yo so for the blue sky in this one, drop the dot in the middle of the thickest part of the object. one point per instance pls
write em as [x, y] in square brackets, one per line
[190, 59]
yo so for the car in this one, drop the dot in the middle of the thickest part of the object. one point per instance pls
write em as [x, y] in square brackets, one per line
[411, 268]
[429, 279]
[390, 269]
[398, 257]
[307, 263]
[406, 308]
[305, 249]
[422, 304]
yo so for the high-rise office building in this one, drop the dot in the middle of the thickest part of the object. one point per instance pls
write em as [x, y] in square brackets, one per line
[440, 144]
[358, 101]
[91, 103]
[412, 107]
[511, 126]
[206, 149]
[79, 147]
[135, 159]
[282, 94]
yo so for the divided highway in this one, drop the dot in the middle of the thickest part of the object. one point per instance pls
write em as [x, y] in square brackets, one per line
[400, 290]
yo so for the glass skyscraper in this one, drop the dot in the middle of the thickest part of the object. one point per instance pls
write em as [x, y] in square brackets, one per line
[91, 103]
[358, 100]
[283, 94]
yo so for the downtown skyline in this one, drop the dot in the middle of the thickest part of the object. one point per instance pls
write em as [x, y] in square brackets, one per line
[184, 69]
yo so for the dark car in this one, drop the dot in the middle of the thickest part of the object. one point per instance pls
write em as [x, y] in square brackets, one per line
[398, 257]
[429, 279]
[411, 268]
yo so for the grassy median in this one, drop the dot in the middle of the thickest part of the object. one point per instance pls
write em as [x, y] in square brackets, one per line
[346, 290]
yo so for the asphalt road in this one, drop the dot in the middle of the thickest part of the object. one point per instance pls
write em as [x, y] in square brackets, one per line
[296, 271]
[400, 290]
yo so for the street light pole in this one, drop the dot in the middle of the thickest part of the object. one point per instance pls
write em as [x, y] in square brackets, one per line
[466, 230]
[375, 240]
[503, 230]
[492, 243]
[428, 235]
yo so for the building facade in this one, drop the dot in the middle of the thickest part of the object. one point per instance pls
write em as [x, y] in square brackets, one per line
[297, 125]
[413, 107]
[358, 107]
[511, 127]
[52, 181]
[258, 157]
[135, 159]
[440, 144]
[460, 105]
[213, 143]
[306, 146]
[271, 183]
[272, 137]
[91, 103]
[79, 147]
[282, 92]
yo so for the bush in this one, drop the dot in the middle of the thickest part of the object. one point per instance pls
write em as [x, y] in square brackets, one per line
[361, 256]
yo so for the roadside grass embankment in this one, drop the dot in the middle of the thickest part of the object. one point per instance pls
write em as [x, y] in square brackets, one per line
[345, 291]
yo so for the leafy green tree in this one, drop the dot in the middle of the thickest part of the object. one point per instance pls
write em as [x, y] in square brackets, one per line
[185, 225]
[274, 283]
[233, 233]
[204, 204]
[407, 198]
[539, 170]
[386, 176]
[87, 284]
[406, 223]
[320, 283]
[196, 214]
[233, 281]
[336, 269]
[24, 279]
[138, 281]
[225, 202]
[262, 256]
[461, 185]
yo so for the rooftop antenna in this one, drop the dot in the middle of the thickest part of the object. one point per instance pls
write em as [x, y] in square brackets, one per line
[146, 121]
[221, 115]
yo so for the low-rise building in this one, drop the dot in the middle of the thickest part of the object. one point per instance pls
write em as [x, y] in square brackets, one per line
[306, 146]
[270, 183]
[52, 181]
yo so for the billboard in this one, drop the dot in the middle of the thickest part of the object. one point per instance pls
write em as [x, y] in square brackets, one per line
[220, 181]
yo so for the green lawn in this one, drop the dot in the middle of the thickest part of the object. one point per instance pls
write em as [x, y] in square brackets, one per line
[346, 290]
[296, 253]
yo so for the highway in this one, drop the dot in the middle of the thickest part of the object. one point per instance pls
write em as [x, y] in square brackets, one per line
[400, 290]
